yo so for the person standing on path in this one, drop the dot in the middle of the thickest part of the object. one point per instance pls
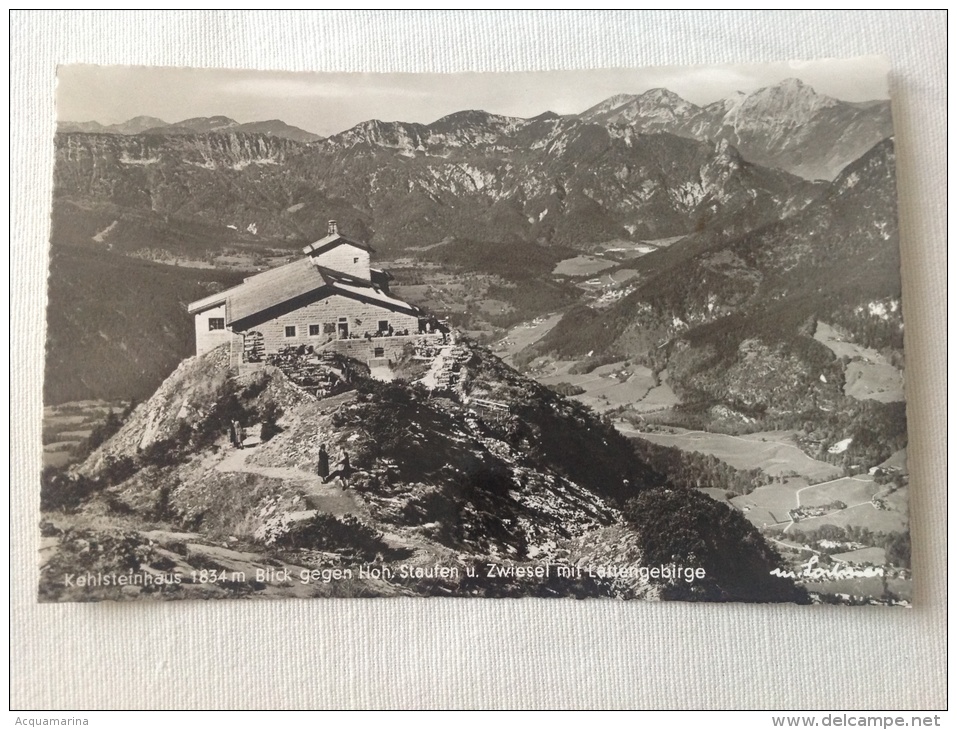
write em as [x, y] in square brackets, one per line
[322, 470]
[342, 467]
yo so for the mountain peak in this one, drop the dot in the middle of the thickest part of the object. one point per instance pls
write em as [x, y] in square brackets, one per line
[653, 109]
[137, 124]
[143, 119]
[467, 116]
[608, 105]
[406, 138]
[455, 482]
[793, 83]
[662, 95]
[791, 97]
[474, 120]
[214, 120]
[277, 128]
[194, 125]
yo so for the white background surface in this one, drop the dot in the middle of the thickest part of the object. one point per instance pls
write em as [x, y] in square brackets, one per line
[483, 653]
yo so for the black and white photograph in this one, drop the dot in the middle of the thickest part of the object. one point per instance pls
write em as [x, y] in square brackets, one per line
[582, 334]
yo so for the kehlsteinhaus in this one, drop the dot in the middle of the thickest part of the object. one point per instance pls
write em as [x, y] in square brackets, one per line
[329, 300]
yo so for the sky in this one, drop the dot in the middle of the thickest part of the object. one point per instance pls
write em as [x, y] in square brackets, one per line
[327, 103]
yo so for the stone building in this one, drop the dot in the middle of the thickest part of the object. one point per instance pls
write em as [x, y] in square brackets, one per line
[329, 300]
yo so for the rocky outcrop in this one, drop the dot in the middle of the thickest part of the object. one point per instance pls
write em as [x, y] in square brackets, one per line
[442, 494]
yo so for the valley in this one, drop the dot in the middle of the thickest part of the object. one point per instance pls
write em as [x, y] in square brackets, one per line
[67, 426]
[861, 505]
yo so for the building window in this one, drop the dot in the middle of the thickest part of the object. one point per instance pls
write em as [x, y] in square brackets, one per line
[383, 325]
[217, 323]
[313, 330]
[290, 330]
[355, 260]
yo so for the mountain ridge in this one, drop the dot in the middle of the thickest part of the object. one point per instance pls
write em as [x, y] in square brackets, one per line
[511, 192]
[771, 126]
[144, 125]
[732, 318]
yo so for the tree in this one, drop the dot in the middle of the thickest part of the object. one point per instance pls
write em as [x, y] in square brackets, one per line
[687, 528]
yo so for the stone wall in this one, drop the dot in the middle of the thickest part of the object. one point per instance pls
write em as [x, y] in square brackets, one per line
[326, 313]
[388, 348]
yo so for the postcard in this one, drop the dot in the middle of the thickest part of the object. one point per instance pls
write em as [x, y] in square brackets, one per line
[621, 333]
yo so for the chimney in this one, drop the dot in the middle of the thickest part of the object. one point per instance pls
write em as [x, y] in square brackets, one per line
[333, 229]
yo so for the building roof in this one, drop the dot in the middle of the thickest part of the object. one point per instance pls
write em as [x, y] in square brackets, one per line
[213, 300]
[333, 240]
[271, 288]
[284, 283]
[359, 288]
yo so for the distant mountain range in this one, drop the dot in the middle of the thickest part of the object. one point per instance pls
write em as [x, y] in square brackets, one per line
[196, 125]
[136, 125]
[550, 181]
[633, 167]
[788, 126]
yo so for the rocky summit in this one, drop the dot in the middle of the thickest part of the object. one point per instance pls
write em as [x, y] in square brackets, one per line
[460, 477]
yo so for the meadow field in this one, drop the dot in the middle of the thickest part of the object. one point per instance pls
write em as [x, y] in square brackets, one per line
[67, 425]
[868, 374]
[581, 266]
[770, 451]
